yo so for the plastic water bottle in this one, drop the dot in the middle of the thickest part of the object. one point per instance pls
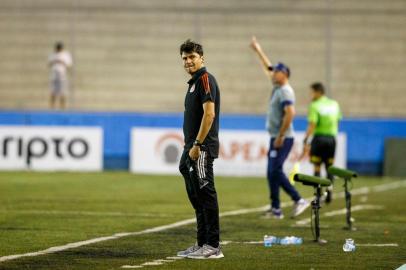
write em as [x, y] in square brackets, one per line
[270, 240]
[267, 241]
[349, 245]
[285, 241]
[291, 240]
[298, 240]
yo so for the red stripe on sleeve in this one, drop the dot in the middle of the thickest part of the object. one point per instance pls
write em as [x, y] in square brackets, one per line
[206, 84]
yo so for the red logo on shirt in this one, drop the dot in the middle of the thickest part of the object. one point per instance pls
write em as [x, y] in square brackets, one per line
[192, 89]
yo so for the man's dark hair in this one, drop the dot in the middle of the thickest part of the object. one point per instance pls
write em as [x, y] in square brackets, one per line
[59, 46]
[190, 46]
[318, 87]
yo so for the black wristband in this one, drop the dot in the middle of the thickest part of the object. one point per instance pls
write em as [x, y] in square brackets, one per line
[197, 143]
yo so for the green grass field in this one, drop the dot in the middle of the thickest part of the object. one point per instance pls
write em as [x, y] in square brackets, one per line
[43, 210]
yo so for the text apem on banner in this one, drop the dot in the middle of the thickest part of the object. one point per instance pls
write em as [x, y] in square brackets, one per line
[242, 153]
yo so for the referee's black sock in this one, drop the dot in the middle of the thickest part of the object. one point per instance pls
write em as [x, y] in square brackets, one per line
[329, 196]
[330, 177]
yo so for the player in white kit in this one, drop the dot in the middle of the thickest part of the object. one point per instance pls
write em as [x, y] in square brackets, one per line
[59, 62]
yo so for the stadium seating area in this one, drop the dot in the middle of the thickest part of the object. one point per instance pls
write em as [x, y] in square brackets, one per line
[126, 52]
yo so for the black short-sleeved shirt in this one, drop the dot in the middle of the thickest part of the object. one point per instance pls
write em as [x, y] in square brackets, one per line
[202, 88]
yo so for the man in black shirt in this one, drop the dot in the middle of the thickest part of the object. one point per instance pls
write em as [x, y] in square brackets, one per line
[200, 128]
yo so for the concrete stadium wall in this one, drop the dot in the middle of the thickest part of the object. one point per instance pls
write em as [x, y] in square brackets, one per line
[365, 136]
[126, 52]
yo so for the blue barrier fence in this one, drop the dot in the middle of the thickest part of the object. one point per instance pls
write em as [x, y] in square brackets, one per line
[365, 136]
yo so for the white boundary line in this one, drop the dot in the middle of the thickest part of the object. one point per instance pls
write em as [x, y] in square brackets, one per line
[50, 250]
[131, 266]
[378, 245]
[342, 211]
[81, 213]
[223, 243]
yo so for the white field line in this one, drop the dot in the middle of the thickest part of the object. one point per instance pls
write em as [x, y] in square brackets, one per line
[364, 190]
[164, 260]
[363, 199]
[377, 245]
[342, 211]
[175, 258]
[223, 243]
[252, 242]
[82, 213]
[152, 263]
[353, 209]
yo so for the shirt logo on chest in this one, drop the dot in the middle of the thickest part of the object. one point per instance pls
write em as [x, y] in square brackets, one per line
[192, 89]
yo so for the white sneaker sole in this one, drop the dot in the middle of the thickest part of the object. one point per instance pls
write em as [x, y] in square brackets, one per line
[301, 210]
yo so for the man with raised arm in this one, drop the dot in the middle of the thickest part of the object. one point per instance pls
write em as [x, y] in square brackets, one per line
[281, 112]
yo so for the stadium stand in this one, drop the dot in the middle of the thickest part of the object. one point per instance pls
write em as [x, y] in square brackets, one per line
[126, 52]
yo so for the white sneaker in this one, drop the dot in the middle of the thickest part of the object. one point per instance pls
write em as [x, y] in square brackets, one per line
[299, 207]
[206, 252]
[273, 214]
[187, 251]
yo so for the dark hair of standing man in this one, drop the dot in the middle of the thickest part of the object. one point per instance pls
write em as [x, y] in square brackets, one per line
[190, 46]
[318, 87]
[58, 46]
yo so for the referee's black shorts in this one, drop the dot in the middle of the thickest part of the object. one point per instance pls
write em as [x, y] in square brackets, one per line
[323, 150]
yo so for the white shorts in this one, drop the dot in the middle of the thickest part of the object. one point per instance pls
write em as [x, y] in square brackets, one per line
[59, 87]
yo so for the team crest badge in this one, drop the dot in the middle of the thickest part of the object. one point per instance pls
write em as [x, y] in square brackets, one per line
[192, 89]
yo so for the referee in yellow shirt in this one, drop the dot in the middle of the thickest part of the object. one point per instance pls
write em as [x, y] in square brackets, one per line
[323, 117]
